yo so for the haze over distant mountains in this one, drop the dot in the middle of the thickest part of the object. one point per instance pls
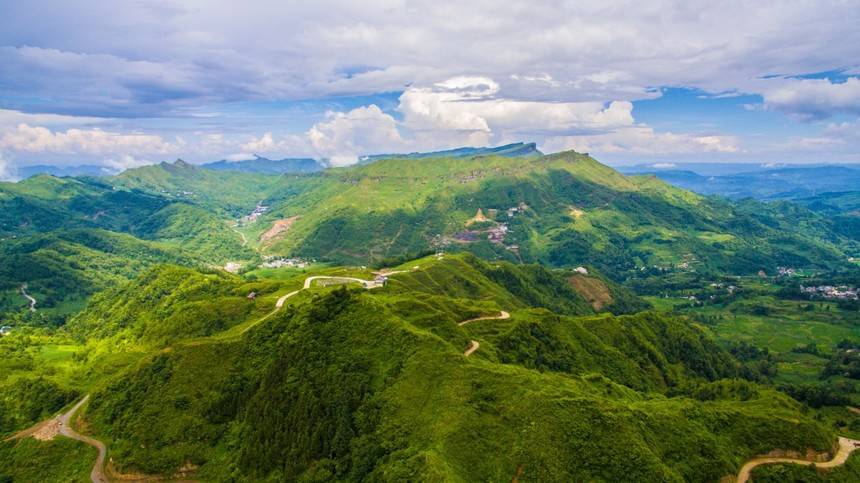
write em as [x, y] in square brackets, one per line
[755, 181]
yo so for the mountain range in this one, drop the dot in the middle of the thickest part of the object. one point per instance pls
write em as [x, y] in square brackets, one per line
[474, 314]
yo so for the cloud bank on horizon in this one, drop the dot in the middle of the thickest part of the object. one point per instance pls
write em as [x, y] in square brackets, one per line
[128, 83]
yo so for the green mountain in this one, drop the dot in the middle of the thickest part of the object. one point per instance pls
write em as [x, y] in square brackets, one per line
[348, 384]
[564, 209]
[270, 166]
[466, 315]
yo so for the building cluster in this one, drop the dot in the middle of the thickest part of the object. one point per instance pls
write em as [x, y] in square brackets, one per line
[730, 288]
[497, 233]
[259, 210]
[515, 210]
[785, 272]
[840, 292]
[285, 262]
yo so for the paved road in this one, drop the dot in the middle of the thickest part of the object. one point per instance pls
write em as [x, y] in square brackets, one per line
[846, 447]
[97, 475]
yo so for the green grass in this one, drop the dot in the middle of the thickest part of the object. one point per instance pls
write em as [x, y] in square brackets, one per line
[786, 326]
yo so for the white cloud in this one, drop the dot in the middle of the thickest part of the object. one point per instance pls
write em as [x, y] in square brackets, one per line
[475, 104]
[813, 98]
[344, 136]
[262, 145]
[37, 139]
[135, 59]
[124, 162]
[7, 171]
[12, 118]
[644, 140]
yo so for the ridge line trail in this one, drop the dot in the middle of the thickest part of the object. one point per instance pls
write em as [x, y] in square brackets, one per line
[846, 447]
[368, 284]
[28, 297]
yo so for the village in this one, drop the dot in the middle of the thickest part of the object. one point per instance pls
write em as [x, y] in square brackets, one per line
[279, 262]
[485, 226]
[831, 292]
[258, 211]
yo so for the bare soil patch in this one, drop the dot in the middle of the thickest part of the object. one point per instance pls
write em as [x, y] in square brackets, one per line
[279, 227]
[592, 289]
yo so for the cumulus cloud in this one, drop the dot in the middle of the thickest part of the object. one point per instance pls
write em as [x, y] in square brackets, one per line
[474, 104]
[264, 144]
[344, 136]
[473, 111]
[38, 139]
[124, 162]
[811, 99]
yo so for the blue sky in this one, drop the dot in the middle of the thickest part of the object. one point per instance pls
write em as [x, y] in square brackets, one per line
[127, 83]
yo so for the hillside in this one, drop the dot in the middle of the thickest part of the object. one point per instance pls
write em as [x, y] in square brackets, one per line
[510, 203]
[564, 209]
[346, 384]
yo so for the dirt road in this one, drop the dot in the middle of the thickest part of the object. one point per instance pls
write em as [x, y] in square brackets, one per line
[846, 447]
[368, 284]
[61, 424]
[502, 315]
[473, 346]
[28, 297]
[97, 475]
[364, 283]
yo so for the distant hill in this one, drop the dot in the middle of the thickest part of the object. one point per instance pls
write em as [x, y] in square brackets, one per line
[508, 150]
[764, 184]
[25, 172]
[268, 166]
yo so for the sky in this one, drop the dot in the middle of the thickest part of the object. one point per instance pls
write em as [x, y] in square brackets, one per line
[127, 83]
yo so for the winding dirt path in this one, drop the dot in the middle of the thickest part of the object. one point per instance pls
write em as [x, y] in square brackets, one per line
[28, 297]
[368, 284]
[61, 424]
[502, 315]
[846, 447]
[97, 475]
[278, 305]
[473, 346]
[365, 283]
